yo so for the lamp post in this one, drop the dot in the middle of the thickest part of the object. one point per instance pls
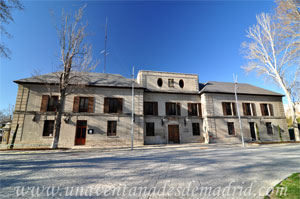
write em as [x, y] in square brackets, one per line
[238, 110]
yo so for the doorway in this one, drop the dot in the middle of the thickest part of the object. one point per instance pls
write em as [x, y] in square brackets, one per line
[80, 132]
[252, 131]
[173, 131]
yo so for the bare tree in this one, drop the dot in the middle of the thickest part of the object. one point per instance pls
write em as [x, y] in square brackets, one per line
[272, 54]
[6, 8]
[76, 56]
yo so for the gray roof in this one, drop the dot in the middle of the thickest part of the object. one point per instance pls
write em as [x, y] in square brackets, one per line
[228, 87]
[87, 78]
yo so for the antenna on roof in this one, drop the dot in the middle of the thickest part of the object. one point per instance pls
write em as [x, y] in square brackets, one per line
[235, 79]
[105, 43]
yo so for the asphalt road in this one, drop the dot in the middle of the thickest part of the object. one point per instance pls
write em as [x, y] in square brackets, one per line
[176, 171]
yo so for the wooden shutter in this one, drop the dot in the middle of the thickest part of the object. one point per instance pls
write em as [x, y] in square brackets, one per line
[120, 105]
[106, 105]
[91, 104]
[178, 110]
[271, 109]
[189, 109]
[76, 104]
[253, 109]
[155, 108]
[224, 108]
[234, 108]
[44, 104]
[262, 109]
[244, 108]
[199, 110]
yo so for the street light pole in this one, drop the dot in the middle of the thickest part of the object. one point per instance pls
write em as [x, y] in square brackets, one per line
[132, 110]
[238, 110]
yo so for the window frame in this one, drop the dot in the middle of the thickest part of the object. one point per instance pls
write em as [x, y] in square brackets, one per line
[230, 126]
[196, 125]
[269, 128]
[85, 107]
[52, 103]
[173, 105]
[111, 128]
[151, 105]
[150, 126]
[47, 128]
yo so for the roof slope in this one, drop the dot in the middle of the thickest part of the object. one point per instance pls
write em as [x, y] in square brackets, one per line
[228, 87]
[88, 78]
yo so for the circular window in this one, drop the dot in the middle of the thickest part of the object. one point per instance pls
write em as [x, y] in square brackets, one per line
[159, 82]
[181, 83]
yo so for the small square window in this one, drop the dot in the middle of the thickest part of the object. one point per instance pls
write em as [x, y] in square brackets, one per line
[269, 128]
[150, 129]
[171, 83]
[231, 130]
[48, 128]
[196, 129]
[111, 128]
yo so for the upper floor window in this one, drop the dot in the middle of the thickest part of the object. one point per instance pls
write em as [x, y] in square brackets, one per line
[181, 83]
[171, 83]
[83, 104]
[113, 105]
[150, 108]
[269, 128]
[229, 108]
[249, 109]
[159, 82]
[267, 110]
[194, 109]
[48, 128]
[173, 108]
[49, 103]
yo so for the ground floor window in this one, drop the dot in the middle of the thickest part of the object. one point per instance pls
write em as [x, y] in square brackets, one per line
[48, 128]
[111, 128]
[231, 130]
[149, 129]
[269, 128]
[196, 128]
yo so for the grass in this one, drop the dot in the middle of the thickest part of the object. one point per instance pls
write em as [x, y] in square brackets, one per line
[289, 188]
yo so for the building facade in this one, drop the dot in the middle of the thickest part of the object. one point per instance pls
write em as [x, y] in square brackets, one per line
[168, 108]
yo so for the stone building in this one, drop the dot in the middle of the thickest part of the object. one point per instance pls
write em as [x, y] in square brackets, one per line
[169, 108]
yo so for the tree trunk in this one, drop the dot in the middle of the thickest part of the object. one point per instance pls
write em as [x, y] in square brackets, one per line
[292, 107]
[58, 119]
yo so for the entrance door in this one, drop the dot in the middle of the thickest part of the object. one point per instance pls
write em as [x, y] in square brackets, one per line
[80, 132]
[173, 133]
[252, 131]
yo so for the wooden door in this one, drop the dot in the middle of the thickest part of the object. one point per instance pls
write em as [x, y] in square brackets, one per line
[252, 131]
[173, 133]
[80, 132]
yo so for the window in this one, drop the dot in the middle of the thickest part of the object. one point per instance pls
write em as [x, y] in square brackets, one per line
[246, 109]
[149, 129]
[53, 100]
[172, 108]
[150, 108]
[269, 128]
[48, 128]
[229, 108]
[267, 110]
[181, 83]
[113, 105]
[83, 104]
[171, 83]
[194, 109]
[231, 130]
[196, 128]
[159, 82]
[111, 128]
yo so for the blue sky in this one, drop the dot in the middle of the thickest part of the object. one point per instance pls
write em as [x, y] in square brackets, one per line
[201, 37]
